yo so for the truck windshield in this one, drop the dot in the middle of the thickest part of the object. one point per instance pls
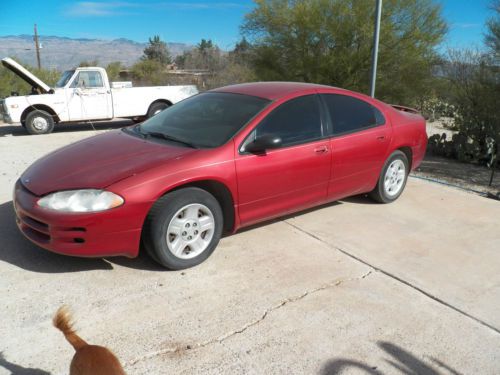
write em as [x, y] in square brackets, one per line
[206, 120]
[65, 78]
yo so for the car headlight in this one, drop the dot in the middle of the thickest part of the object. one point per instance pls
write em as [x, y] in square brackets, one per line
[86, 200]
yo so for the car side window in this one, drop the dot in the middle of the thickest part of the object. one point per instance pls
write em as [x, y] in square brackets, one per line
[88, 79]
[349, 114]
[295, 121]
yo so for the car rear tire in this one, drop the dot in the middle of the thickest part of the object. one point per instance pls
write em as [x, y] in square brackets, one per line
[392, 180]
[183, 228]
[39, 122]
[157, 108]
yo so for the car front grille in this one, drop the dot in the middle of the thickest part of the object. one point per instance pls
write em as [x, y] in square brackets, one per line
[34, 229]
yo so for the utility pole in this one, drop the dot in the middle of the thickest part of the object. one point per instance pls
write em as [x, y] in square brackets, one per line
[376, 35]
[37, 48]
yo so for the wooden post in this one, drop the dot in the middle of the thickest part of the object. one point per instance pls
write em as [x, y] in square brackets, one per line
[37, 48]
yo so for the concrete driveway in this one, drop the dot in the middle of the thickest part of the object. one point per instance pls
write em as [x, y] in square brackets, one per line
[352, 287]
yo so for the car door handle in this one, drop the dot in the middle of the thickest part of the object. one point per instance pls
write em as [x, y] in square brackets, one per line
[321, 150]
[381, 137]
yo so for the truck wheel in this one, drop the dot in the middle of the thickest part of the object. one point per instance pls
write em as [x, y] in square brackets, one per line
[39, 122]
[157, 108]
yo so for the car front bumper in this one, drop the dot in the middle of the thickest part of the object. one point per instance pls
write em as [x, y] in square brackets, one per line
[110, 233]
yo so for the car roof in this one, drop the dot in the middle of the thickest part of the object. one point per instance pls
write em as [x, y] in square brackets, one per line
[272, 90]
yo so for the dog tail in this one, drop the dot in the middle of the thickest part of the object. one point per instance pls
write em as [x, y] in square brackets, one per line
[62, 321]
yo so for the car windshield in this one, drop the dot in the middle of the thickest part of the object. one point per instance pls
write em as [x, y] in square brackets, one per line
[65, 78]
[205, 120]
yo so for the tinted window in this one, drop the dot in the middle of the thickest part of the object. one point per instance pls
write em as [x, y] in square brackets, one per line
[349, 114]
[206, 120]
[88, 79]
[296, 121]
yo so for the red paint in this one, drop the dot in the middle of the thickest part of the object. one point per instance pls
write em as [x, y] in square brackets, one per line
[262, 186]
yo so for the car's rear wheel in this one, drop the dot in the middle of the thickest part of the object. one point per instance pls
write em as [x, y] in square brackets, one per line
[183, 228]
[39, 122]
[156, 108]
[392, 180]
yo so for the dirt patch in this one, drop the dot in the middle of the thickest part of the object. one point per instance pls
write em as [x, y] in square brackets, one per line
[450, 171]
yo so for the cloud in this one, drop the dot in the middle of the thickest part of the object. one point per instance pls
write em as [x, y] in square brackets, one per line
[204, 5]
[466, 25]
[96, 9]
[108, 9]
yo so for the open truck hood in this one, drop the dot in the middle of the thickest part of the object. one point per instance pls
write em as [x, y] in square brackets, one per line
[25, 75]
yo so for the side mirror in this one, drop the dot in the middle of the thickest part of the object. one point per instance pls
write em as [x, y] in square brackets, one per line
[265, 142]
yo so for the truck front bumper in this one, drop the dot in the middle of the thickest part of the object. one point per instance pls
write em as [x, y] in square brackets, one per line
[6, 118]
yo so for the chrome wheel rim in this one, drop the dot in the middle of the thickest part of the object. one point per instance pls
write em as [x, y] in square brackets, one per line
[40, 123]
[394, 177]
[190, 231]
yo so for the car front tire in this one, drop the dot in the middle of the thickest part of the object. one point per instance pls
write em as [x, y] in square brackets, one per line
[183, 228]
[392, 180]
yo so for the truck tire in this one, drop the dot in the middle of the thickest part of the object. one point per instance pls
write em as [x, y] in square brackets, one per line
[156, 108]
[39, 122]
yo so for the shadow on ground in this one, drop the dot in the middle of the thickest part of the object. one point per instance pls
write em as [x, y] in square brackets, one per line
[18, 130]
[20, 252]
[19, 370]
[401, 360]
[358, 199]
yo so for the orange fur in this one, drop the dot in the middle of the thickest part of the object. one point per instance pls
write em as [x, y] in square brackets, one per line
[88, 359]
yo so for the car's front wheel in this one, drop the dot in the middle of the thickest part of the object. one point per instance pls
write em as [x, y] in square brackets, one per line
[392, 180]
[183, 228]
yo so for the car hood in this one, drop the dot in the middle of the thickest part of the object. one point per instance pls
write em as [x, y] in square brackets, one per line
[26, 75]
[98, 162]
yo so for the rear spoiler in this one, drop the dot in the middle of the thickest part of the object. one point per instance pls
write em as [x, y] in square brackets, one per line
[405, 109]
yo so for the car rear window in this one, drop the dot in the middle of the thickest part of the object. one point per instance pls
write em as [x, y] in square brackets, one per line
[350, 114]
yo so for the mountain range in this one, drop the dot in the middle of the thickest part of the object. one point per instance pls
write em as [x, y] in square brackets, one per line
[64, 53]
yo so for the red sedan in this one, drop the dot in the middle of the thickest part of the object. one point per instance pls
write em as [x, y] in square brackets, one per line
[214, 163]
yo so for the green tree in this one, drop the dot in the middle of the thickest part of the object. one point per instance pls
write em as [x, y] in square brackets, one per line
[242, 53]
[88, 63]
[113, 69]
[206, 56]
[330, 42]
[493, 31]
[157, 51]
[150, 72]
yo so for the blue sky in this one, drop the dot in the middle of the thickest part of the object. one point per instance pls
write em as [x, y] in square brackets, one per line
[185, 21]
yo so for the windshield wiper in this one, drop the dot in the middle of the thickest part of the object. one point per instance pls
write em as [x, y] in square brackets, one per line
[136, 129]
[168, 138]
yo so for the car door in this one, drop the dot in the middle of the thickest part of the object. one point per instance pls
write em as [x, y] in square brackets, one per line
[360, 140]
[289, 178]
[88, 97]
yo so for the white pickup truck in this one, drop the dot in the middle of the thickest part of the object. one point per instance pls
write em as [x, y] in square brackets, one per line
[83, 94]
